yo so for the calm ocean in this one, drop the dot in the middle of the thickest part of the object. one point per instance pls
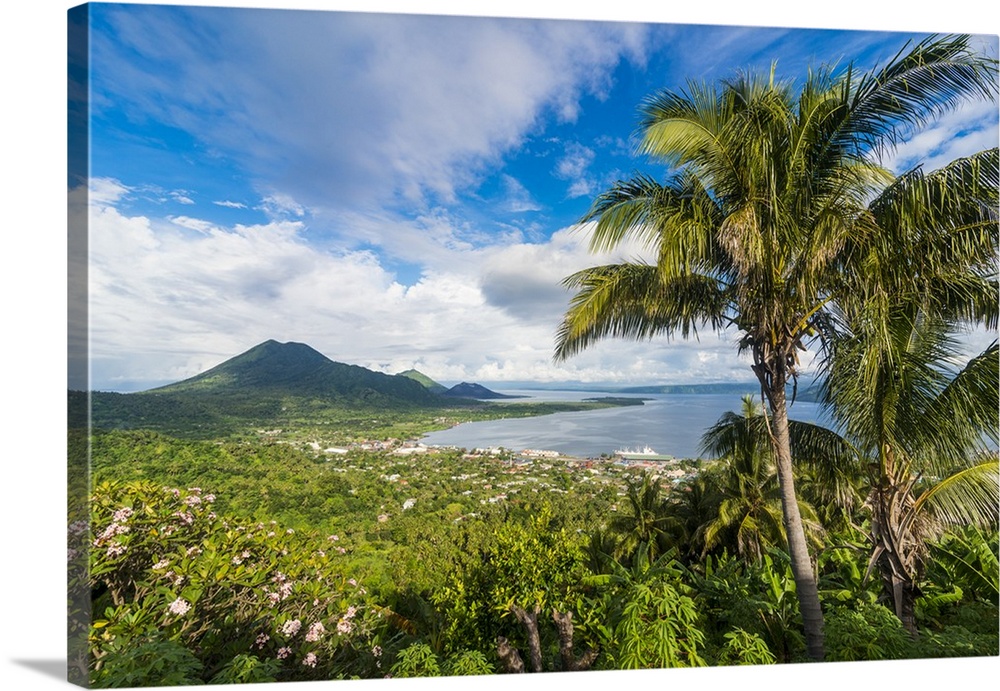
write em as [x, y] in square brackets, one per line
[668, 423]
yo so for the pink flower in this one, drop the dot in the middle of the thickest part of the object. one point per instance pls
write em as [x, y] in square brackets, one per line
[315, 632]
[344, 626]
[377, 651]
[180, 606]
[262, 639]
[122, 514]
[310, 660]
[333, 538]
[291, 627]
[351, 611]
[284, 652]
[352, 582]
[382, 518]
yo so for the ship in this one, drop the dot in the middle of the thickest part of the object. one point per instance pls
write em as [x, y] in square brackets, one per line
[644, 454]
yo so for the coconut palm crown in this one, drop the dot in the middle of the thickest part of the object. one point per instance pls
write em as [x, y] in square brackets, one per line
[772, 216]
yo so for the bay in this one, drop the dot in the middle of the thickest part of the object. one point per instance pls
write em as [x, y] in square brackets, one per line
[668, 423]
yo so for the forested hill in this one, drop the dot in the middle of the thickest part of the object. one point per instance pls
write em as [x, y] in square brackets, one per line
[291, 386]
[272, 384]
[298, 370]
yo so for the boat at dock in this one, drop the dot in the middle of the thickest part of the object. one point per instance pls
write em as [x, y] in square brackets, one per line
[644, 454]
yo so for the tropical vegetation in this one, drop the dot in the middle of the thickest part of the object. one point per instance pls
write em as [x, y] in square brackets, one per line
[328, 547]
[778, 221]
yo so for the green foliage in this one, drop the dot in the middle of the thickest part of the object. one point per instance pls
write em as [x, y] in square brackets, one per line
[959, 641]
[147, 661]
[865, 632]
[535, 562]
[247, 669]
[193, 591]
[417, 660]
[842, 573]
[657, 628]
[467, 663]
[757, 597]
[742, 648]
[969, 558]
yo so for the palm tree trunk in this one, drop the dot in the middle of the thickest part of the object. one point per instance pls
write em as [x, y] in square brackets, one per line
[893, 546]
[805, 579]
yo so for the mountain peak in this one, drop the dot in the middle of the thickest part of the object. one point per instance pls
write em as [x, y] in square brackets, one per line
[424, 380]
[296, 369]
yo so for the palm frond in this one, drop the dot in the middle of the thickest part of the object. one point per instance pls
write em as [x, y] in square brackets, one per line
[968, 497]
[634, 301]
[919, 84]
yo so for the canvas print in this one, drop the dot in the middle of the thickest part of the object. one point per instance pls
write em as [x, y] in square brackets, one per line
[418, 346]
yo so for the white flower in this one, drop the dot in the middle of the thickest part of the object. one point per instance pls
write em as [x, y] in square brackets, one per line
[180, 606]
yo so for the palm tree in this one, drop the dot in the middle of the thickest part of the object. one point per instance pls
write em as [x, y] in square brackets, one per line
[923, 431]
[749, 516]
[641, 529]
[754, 229]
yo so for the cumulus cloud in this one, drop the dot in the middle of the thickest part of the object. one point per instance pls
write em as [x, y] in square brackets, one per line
[353, 110]
[574, 166]
[968, 129]
[517, 198]
[167, 303]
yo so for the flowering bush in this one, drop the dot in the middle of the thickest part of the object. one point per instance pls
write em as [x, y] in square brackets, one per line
[227, 601]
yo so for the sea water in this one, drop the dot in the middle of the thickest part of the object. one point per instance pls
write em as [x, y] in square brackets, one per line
[668, 423]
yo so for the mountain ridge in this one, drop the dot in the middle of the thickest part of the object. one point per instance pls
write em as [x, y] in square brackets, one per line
[296, 369]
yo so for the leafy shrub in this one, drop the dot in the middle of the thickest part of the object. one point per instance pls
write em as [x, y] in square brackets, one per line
[467, 663]
[657, 628]
[417, 660]
[958, 641]
[210, 595]
[742, 648]
[532, 564]
[868, 632]
[248, 669]
[148, 662]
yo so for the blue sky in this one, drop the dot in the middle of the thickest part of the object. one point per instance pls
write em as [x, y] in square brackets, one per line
[395, 190]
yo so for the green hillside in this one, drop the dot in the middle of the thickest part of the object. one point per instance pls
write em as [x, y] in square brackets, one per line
[423, 380]
[297, 369]
[291, 387]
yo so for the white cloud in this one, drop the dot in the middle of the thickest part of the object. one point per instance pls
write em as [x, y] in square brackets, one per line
[230, 205]
[167, 303]
[281, 205]
[106, 191]
[574, 166]
[193, 223]
[353, 110]
[517, 198]
[971, 128]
